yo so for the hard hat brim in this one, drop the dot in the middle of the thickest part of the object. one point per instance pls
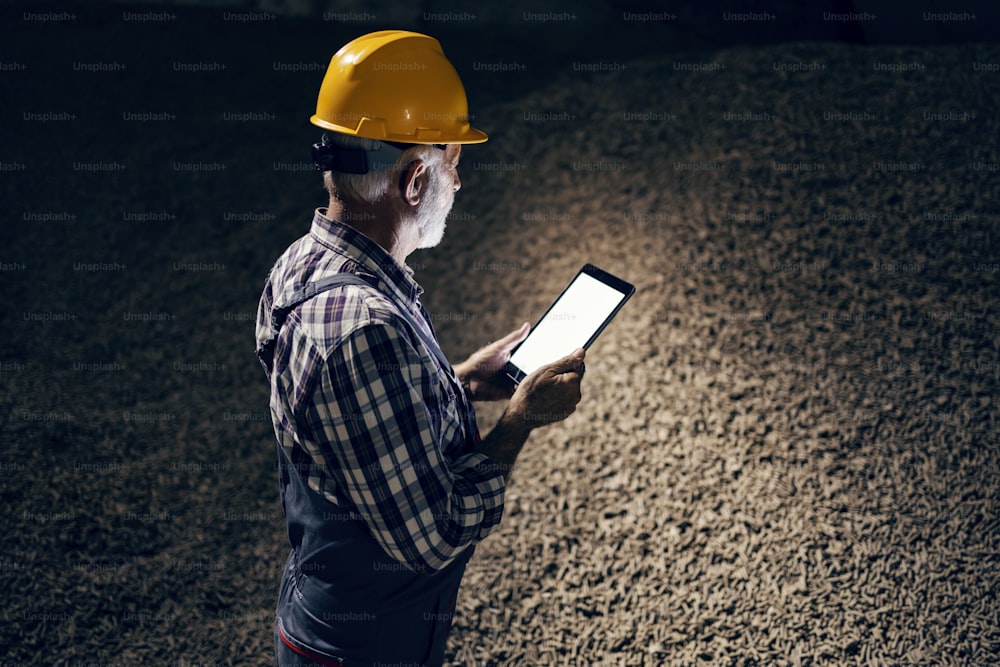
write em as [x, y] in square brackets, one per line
[469, 136]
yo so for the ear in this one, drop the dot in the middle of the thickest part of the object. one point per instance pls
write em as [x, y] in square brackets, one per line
[414, 182]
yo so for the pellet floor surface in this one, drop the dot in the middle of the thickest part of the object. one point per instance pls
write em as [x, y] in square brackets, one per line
[787, 451]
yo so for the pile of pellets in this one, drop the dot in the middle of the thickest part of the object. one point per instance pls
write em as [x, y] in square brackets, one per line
[787, 450]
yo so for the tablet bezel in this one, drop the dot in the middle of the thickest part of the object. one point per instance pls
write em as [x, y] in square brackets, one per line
[626, 288]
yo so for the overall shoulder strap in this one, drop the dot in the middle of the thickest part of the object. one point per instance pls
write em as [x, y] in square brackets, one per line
[280, 313]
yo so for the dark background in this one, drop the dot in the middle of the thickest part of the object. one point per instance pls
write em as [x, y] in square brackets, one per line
[787, 452]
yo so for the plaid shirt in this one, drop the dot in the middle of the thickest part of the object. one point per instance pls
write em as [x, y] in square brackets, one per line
[364, 410]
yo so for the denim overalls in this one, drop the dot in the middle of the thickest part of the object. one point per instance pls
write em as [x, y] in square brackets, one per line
[343, 596]
[343, 600]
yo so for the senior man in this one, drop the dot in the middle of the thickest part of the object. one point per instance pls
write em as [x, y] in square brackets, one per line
[385, 482]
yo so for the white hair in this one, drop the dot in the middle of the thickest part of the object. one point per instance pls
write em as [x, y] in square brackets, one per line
[374, 185]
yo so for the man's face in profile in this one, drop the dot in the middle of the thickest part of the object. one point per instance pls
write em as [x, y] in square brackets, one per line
[443, 183]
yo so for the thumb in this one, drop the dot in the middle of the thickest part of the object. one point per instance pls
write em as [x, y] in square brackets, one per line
[571, 362]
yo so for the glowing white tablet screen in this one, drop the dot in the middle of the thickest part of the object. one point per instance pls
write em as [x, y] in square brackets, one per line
[569, 324]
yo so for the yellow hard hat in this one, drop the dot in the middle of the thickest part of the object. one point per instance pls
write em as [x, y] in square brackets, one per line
[395, 85]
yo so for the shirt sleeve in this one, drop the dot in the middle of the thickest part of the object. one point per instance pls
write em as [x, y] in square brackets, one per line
[378, 418]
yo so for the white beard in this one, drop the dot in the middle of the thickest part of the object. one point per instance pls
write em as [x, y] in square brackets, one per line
[432, 213]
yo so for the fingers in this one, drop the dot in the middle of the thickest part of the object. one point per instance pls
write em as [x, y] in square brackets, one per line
[572, 362]
[513, 338]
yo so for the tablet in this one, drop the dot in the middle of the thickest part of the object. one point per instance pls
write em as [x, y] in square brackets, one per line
[574, 320]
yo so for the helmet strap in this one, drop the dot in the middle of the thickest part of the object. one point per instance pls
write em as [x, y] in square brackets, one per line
[329, 156]
[380, 156]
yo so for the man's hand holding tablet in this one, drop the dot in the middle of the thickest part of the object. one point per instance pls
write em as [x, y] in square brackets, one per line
[546, 365]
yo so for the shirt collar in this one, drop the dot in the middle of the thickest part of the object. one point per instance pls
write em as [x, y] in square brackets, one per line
[347, 241]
